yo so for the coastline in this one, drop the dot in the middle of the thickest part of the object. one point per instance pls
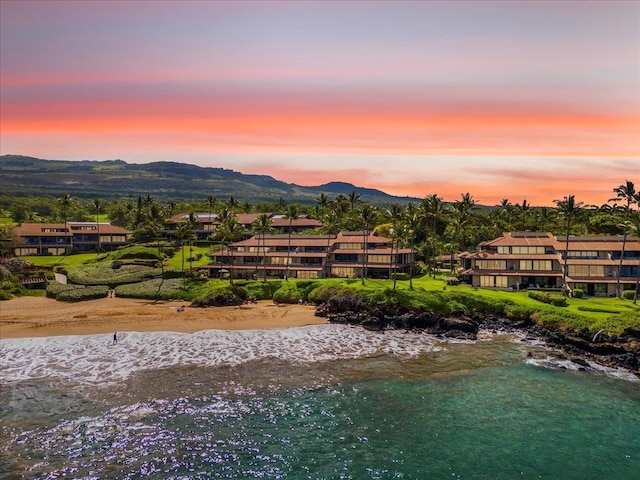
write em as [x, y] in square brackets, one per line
[25, 317]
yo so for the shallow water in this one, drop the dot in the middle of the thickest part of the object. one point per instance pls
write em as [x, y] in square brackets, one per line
[318, 402]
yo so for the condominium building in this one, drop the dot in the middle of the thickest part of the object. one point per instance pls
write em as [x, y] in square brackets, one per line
[58, 238]
[206, 224]
[537, 260]
[312, 256]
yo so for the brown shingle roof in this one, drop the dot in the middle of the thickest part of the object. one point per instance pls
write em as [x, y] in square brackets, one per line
[39, 229]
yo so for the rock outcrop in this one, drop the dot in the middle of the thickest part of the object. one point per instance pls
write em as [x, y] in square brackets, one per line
[584, 345]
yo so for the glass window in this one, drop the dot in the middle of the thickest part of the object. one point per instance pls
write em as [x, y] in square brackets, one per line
[491, 264]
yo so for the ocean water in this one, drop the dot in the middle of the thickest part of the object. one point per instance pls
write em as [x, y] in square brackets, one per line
[322, 402]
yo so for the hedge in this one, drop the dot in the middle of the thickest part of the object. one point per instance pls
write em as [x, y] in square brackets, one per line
[323, 293]
[170, 289]
[227, 295]
[556, 300]
[287, 293]
[103, 274]
[75, 293]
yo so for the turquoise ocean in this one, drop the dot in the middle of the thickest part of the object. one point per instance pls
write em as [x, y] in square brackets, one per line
[319, 402]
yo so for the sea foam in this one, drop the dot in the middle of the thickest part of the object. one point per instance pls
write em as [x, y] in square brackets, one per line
[92, 359]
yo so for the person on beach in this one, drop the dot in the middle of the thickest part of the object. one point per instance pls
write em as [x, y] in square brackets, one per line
[115, 338]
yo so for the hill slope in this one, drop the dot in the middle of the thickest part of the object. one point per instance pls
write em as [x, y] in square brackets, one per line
[21, 176]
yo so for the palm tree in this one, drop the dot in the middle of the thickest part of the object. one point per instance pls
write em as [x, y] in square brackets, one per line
[232, 203]
[396, 234]
[505, 208]
[354, 199]
[635, 226]
[412, 224]
[323, 201]
[394, 213]
[461, 212]
[331, 224]
[211, 202]
[523, 209]
[292, 213]
[366, 218]
[569, 209]
[262, 226]
[544, 217]
[97, 204]
[193, 225]
[230, 231]
[65, 202]
[434, 209]
[627, 193]
[183, 231]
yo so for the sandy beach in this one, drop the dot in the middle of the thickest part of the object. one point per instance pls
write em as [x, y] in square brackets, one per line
[42, 317]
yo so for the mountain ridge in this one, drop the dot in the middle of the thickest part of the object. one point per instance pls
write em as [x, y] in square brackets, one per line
[22, 175]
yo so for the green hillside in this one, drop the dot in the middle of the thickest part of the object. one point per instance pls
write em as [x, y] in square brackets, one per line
[22, 176]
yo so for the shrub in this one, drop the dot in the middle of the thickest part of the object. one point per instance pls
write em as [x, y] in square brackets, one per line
[628, 294]
[556, 300]
[5, 295]
[137, 252]
[287, 293]
[389, 296]
[259, 290]
[169, 289]
[5, 273]
[323, 293]
[168, 251]
[222, 296]
[456, 308]
[306, 287]
[452, 280]
[578, 293]
[519, 312]
[619, 323]
[83, 293]
[15, 265]
[101, 274]
[75, 293]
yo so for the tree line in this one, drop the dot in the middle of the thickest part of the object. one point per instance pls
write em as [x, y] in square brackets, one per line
[431, 226]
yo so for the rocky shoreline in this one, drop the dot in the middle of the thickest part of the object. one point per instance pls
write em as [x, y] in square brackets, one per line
[580, 347]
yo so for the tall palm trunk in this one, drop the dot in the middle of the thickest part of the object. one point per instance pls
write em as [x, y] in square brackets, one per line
[327, 262]
[637, 291]
[624, 244]
[264, 257]
[566, 257]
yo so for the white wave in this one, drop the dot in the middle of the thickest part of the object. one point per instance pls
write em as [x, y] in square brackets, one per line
[92, 359]
[552, 362]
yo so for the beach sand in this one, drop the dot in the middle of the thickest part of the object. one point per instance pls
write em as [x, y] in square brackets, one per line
[43, 317]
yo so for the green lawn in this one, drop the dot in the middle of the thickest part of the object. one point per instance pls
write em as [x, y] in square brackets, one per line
[76, 260]
[175, 262]
[61, 260]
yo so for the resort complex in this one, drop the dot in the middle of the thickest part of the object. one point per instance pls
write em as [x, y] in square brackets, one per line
[521, 260]
[345, 255]
[61, 238]
[207, 224]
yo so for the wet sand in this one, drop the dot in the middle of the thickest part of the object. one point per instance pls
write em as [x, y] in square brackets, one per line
[43, 317]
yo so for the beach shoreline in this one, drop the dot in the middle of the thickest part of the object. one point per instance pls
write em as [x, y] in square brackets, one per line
[25, 317]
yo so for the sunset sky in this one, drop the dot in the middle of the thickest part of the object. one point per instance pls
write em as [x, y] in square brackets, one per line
[518, 100]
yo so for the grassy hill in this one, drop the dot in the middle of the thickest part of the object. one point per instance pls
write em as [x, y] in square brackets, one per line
[164, 180]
